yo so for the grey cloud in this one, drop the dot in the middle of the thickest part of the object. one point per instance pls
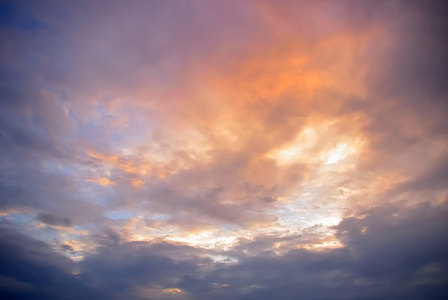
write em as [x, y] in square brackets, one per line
[33, 188]
[122, 268]
[31, 270]
[106, 237]
[53, 220]
[389, 252]
[67, 248]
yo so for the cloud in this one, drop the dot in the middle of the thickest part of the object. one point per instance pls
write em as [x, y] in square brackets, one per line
[54, 220]
[31, 269]
[389, 251]
[225, 150]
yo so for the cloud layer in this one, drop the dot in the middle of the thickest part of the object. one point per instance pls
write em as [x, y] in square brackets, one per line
[223, 150]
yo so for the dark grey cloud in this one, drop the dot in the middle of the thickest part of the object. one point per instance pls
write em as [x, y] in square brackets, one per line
[53, 220]
[30, 269]
[388, 252]
[128, 266]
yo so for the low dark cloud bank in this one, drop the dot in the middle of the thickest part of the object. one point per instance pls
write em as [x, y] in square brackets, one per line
[391, 252]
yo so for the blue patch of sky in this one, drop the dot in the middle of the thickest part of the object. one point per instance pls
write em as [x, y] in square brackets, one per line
[126, 214]
[13, 17]
[95, 193]
[24, 218]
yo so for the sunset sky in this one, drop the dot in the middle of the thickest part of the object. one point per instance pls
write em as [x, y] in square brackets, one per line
[232, 149]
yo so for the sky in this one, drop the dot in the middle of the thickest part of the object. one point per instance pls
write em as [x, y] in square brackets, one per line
[238, 149]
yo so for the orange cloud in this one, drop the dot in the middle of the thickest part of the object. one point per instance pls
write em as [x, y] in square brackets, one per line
[102, 181]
